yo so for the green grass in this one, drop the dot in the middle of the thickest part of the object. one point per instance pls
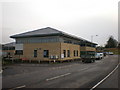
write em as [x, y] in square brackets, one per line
[116, 51]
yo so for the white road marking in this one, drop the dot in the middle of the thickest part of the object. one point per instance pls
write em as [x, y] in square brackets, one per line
[82, 69]
[58, 77]
[105, 78]
[18, 87]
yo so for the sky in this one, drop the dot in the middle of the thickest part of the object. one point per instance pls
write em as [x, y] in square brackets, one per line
[82, 18]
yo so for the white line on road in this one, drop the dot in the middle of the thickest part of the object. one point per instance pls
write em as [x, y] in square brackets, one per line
[18, 87]
[82, 69]
[58, 76]
[105, 78]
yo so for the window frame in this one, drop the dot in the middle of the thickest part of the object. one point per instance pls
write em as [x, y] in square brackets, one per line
[64, 52]
[68, 53]
[35, 53]
[46, 53]
[18, 52]
[74, 53]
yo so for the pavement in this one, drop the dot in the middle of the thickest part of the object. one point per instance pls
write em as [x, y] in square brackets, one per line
[64, 75]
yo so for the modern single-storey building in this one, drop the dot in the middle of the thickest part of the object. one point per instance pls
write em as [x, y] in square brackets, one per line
[48, 44]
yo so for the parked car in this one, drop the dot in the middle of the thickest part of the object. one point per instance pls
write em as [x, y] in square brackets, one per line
[99, 56]
[111, 53]
[89, 57]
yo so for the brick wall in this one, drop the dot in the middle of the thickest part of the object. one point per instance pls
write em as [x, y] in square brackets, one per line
[54, 49]
[88, 49]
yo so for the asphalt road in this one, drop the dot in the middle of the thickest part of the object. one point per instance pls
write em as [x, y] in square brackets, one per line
[64, 75]
[111, 81]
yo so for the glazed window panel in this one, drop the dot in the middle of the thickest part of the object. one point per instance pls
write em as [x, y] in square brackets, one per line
[19, 52]
[68, 53]
[46, 53]
[37, 40]
[35, 53]
[64, 52]
[77, 52]
[74, 53]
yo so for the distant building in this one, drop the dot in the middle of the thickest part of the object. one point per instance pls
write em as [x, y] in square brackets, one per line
[48, 44]
[8, 50]
[0, 50]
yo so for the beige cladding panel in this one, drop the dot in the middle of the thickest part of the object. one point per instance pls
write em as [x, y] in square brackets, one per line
[91, 49]
[71, 47]
[54, 49]
[88, 49]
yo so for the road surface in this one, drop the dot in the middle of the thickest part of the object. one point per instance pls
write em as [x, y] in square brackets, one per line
[64, 75]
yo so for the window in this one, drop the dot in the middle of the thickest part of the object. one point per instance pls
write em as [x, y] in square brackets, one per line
[8, 48]
[12, 48]
[46, 53]
[35, 53]
[5, 48]
[19, 52]
[74, 53]
[82, 45]
[68, 53]
[67, 41]
[37, 40]
[77, 52]
[64, 52]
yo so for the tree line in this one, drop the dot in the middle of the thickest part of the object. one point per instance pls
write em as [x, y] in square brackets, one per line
[112, 43]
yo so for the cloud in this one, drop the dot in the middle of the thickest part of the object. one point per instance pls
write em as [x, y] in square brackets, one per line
[79, 17]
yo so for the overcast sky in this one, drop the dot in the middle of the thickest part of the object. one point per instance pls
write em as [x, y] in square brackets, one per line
[82, 18]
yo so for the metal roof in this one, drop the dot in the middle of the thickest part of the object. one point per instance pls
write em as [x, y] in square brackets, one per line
[9, 44]
[39, 32]
[48, 31]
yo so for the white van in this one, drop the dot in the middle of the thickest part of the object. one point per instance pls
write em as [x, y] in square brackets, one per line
[110, 53]
[99, 56]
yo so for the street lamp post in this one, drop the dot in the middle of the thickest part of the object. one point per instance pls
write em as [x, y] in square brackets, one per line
[92, 41]
[92, 37]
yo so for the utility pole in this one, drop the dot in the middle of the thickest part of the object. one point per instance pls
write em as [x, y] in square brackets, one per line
[92, 37]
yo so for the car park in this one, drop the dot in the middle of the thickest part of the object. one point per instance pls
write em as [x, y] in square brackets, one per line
[110, 53]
